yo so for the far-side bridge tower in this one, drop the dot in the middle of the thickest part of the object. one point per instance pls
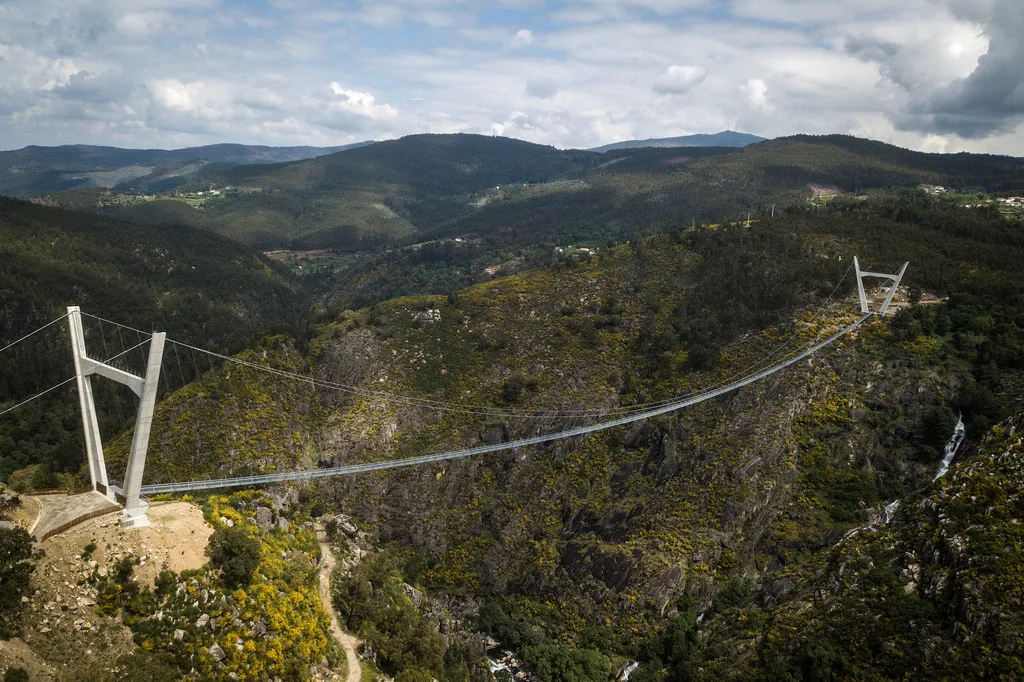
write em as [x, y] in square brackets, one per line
[895, 279]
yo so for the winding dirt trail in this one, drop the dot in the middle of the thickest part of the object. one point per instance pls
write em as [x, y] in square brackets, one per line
[347, 641]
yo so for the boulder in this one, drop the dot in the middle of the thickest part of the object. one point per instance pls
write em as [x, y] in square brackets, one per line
[414, 595]
[639, 435]
[284, 499]
[264, 517]
[179, 635]
[217, 653]
[258, 628]
[203, 620]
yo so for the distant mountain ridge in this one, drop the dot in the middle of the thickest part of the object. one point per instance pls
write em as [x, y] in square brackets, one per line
[726, 138]
[36, 169]
[447, 186]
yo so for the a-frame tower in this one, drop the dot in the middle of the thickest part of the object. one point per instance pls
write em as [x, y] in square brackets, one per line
[143, 387]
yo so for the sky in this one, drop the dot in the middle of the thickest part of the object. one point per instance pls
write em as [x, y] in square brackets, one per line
[932, 75]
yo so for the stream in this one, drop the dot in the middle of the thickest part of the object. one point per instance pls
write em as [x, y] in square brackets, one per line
[951, 447]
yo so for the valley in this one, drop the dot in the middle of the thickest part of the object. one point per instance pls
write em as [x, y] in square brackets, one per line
[440, 292]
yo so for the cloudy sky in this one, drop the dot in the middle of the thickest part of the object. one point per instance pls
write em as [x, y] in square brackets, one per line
[936, 75]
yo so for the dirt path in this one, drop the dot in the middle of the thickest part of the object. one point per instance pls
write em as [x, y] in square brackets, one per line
[348, 642]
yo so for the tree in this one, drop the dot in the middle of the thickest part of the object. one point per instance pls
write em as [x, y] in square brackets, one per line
[149, 666]
[414, 675]
[16, 568]
[16, 675]
[820, 661]
[556, 663]
[236, 553]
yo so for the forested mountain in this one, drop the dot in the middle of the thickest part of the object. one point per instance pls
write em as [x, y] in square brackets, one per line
[506, 287]
[607, 546]
[34, 170]
[198, 287]
[422, 187]
[726, 138]
[652, 190]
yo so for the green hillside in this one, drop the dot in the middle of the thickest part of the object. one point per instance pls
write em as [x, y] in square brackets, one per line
[645, 191]
[198, 287]
[726, 138]
[363, 198]
[36, 170]
[420, 165]
[607, 544]
[935, 594]
[422, 187]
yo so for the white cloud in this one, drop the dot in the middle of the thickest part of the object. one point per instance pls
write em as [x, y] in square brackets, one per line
[140, 25]
[177, 96]
[757, 94]
[157, 72]
[541, 88]
[360, 103]
[679, 79]
[522, 38]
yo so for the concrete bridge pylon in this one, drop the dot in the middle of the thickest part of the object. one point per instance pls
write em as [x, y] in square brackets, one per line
[145, 388]
[895, 279]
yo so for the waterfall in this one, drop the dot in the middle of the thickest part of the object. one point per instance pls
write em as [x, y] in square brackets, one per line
[951, 447]
[890, 511]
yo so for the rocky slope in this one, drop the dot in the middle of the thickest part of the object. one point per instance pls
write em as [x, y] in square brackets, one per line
[614, 528]
[614, 541]
[935, 594]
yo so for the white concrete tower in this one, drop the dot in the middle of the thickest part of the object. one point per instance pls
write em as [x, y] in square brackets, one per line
[145, 388]
[895, 279]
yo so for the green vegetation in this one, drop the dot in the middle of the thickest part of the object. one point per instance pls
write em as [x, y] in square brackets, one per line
[546, 658]
[364, 198]
[222, 420]
[17, 561]
[36, 170]
[236, 553]
[374, 603]
[200, 288]
[272, 626]
[672, 651]
[934, 595]
[648, 191]
[754, 510]
[15, 675]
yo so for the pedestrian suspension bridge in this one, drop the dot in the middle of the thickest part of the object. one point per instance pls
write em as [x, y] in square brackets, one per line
[131, 494]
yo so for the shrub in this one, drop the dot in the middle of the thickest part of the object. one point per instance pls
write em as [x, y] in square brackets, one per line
[514, 387]
[16, 567]
[33, 477]
[702, 356]
[236, 554]
[555, 663]
[494, 621]
[820, 661]
[16, 675]
[149, 666]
